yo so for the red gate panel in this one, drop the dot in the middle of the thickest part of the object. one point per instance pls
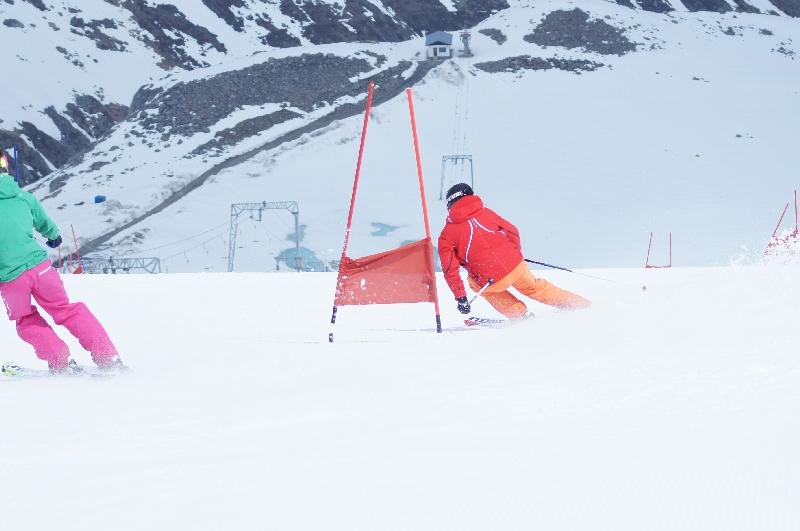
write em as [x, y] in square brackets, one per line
[402, 275]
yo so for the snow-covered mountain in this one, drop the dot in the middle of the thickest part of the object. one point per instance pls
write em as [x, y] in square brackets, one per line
[77, 64]
[590, 124]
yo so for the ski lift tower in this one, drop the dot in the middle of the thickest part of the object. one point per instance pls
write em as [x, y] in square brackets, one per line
[455, 160]
[257, 209]
[466, 39]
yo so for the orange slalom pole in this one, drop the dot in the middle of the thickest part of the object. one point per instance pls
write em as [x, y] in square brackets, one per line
[424, 204]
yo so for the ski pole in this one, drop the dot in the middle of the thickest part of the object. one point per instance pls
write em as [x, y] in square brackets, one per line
[483, 289]
[568, 270]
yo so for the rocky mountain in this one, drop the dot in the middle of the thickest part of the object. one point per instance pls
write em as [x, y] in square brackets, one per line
[135, 41]
[98, 54]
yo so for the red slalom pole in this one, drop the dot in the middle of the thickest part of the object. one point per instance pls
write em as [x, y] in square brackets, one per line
[370, 94]
[780, 221]
[424, 204]
[79, 269]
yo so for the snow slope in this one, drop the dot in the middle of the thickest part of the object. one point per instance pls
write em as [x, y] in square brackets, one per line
[670, 409]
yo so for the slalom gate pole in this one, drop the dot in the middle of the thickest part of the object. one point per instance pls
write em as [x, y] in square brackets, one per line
[77, 251]
[424, 204]
[780, 221]
[568, 270]
[370, 94]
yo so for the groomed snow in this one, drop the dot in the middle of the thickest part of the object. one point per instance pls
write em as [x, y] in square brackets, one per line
[674, 408]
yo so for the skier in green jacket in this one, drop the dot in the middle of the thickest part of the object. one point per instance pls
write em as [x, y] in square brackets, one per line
[25, 272]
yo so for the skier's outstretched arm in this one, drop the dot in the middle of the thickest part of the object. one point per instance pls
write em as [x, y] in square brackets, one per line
[450, 265]
[41, 221]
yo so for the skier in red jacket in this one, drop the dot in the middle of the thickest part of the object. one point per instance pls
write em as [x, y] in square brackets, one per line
[489, 248]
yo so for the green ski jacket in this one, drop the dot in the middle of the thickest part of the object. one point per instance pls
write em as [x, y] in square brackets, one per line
[20, 213]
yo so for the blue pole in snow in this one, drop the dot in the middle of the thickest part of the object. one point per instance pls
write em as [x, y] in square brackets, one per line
[16, 163]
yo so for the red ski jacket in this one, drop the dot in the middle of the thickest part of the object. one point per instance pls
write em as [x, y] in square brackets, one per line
[476, 238]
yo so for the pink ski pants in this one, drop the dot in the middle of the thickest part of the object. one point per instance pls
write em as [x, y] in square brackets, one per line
[47, 288]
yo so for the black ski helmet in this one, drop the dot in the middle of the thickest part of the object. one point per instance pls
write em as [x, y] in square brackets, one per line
[456, 192]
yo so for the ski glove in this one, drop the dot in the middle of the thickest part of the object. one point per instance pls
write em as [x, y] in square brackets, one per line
[54, 243]
[463, 305]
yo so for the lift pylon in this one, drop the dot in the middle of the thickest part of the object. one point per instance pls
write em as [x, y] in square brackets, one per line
[455, 160]
[237, 209]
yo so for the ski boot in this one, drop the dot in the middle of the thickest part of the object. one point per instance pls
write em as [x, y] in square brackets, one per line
[70, 369]
[9, 369]
[114, 366]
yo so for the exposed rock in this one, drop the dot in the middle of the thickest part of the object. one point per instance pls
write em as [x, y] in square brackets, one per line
[495, 34]
[93, 117]
[92, 30]
[790, 7]
[13, 23]
[162, 18]
[38, 4]
[222, 8]
[303, 82]
[719, 6]
[527, 62]
[41, 152]
[743, 7]
[656, 6]
[362, 22]
[245, 129]
[69, 56]
[423, 15]
[277, 37]
[72, 140]
[574, 29]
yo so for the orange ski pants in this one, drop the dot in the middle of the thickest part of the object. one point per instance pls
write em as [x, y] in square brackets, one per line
[537, 289]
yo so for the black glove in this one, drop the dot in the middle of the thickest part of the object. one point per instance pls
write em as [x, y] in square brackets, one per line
[54, 243]
[463, 305]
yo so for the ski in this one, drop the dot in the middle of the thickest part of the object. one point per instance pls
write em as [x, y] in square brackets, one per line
[484, 321]
[494, 323]
[18, 372]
